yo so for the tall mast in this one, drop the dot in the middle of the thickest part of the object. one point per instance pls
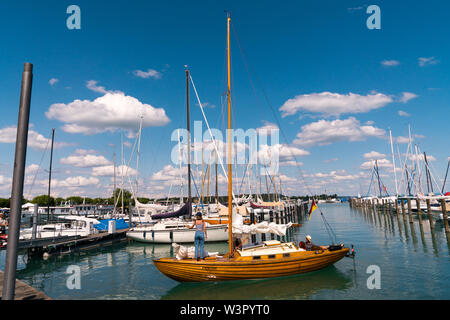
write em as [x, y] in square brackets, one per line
[188, 127]
[138, 155]
[230, 173]
[445, 179]
[217, 183]
[50, 175]
[430, 184]
[393, 163]
[114, 190]
[378, 176]
[122, 165]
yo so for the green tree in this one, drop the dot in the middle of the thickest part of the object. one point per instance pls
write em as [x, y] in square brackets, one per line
[42, 200]
[75, 200]
[126, 197]
[4, 203]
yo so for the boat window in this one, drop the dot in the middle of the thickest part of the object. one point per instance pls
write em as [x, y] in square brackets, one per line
[285, 255]
[271, 256]
[256, 257]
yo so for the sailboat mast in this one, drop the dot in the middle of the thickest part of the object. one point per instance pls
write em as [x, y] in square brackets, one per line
[393, 163]
[50, 175]
[114, 190]
[445, 179]
[378, 176]
[138, 156]
[230, 174]
[188, 127]
[121, 171]
[217, 183]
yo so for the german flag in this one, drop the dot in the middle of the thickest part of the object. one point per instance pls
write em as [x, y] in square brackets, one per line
[313, 207]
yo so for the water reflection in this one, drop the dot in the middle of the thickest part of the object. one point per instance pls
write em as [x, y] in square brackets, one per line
[292, 287]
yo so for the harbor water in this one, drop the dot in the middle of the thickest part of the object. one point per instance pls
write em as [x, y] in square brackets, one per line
[412, 260]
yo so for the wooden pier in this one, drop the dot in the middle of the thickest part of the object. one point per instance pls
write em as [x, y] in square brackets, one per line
[24, 291]
[67, 245]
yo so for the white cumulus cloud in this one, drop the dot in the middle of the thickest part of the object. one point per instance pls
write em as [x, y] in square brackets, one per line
[110, 112]
[85, 161]
[374, 155]
[334, 103]
[325, 132]
[35, 139]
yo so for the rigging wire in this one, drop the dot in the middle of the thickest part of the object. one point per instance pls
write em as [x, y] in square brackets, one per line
[279, 127]
[39, 167]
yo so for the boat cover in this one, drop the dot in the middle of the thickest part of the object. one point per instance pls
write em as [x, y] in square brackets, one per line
[103, 224]
[182, 252]
[184, 210]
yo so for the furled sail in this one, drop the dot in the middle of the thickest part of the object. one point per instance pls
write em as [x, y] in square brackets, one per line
[263, 227]
[184, 210]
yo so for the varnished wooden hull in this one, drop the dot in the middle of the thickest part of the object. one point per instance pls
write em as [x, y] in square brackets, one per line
[190, 270]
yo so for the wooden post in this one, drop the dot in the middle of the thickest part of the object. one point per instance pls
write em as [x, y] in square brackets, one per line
[419, 210]
[396, 206]
[430, 215]
[403, 208]
[444, 214]
[410, 211]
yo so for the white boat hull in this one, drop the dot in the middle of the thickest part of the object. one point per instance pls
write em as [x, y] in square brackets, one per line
[215, 233]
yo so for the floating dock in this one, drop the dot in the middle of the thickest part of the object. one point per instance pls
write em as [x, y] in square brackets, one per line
[72, 244]
[24, 291]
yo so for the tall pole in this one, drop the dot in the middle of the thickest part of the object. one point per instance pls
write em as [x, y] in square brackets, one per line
[50, 175]
[121, 171]
[188, 127]
[114, 190]
[230, 173]
[428, 173]
[138, 156]
[393, 163]
[378, 176]
[217, 182]
[445, 179]
[9, 280]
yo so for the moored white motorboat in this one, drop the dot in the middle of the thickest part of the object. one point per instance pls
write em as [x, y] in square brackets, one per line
[74, 226]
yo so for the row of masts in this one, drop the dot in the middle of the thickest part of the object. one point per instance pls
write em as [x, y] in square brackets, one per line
[411, 175]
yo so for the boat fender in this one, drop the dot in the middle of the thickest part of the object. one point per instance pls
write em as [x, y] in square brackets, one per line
[153, 234]
[145, 233]
[171, 236]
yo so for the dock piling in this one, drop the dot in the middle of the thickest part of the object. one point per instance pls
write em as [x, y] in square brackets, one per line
[9, 282]
[444, 215]
[430, 214]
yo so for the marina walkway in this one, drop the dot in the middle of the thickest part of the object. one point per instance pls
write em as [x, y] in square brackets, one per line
[24, 291]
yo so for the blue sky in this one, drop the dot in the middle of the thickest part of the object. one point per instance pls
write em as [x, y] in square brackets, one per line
[318, 55]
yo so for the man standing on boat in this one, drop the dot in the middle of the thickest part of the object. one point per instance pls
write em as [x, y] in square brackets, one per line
[200, 235]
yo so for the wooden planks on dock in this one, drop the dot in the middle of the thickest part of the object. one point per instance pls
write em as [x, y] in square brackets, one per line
[24, 291]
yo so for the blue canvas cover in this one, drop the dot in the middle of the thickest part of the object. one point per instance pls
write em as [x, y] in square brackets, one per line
[103, 225]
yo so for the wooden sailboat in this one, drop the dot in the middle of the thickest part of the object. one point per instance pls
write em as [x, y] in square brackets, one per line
[266, 260]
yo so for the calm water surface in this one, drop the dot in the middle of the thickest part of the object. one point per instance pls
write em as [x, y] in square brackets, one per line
[414, 264]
